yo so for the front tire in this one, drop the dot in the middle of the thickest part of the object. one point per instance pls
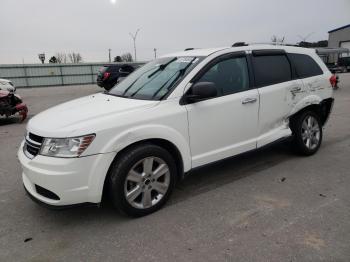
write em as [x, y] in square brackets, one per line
[307, 133]
[142, 179]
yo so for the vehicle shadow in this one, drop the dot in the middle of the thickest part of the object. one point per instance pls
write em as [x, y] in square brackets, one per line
[226, 171]
[199, 181]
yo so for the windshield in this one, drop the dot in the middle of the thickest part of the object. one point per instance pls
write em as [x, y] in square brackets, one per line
[156, 79]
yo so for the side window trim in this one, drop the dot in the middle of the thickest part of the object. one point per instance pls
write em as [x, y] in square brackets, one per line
[268, 52]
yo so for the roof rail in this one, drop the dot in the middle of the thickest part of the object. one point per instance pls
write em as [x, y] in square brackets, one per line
[273, 43]
[239, 44]
[189, 49]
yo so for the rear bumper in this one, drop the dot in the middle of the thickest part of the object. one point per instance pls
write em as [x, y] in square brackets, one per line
[73, 180]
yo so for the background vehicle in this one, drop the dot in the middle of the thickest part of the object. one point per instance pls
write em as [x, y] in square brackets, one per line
[109, 75]
[7, 85]
[176, 113]
[11, 104]
[344, 63]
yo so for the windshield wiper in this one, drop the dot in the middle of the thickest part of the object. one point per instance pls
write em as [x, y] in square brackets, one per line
[162, 67]
[132, 84]
[181, 73]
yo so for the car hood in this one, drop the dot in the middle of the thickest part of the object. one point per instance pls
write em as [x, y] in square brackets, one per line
[77, 115]
[5, 80]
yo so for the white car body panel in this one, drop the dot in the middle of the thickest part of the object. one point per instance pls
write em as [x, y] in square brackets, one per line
[229, 125]
[273, 124]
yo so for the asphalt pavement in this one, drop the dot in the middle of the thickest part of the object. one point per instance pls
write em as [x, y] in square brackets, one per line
[268, 205]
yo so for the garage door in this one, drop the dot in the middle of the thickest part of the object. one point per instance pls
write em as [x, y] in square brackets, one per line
[345, 45]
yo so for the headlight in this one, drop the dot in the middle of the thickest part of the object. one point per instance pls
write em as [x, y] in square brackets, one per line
[65, 147]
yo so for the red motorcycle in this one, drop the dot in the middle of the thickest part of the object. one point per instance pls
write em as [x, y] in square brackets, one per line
[11, 104]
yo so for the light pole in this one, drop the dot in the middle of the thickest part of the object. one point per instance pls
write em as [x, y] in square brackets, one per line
[134, 36]
[109, 54]
[155, 53]
[42, 57]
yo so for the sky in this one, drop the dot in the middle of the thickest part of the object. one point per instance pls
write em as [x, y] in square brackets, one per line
[91, 27]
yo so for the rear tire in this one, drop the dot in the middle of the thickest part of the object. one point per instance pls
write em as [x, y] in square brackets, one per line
[307, 133]
[142, 179]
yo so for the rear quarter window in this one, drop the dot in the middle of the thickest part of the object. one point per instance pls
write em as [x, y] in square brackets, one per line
[305, 65]
[271, 69]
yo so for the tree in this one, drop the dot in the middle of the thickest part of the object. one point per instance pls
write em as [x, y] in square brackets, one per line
[118, 59]
[127, 57]
[276, 40]
[75, 58]
[53, 60]
[322, 43]
[61, 58]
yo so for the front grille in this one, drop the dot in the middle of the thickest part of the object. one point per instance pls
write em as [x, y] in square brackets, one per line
[46, 193]
[35, 138]
[32, 145]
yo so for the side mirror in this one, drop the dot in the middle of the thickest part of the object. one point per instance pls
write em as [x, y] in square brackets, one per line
[201, 91]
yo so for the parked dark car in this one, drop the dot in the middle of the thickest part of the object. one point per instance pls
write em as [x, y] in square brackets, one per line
[344, 63]
[109, 75]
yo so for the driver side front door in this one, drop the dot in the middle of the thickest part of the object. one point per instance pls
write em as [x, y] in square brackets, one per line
[225, 125]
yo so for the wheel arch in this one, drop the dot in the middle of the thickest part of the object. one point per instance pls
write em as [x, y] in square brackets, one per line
[323, 108]
[164, 143]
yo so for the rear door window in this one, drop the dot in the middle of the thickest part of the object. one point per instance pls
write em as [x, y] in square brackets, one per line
[271, 69]
[305, 66]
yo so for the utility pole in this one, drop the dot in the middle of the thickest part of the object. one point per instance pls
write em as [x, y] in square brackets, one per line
[155, 53]
[109, 54]
[134, 36]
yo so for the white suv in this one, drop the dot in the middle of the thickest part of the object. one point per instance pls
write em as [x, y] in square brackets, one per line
[174, 114]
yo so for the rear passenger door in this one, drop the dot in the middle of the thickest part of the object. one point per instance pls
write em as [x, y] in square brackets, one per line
[308, 71]
[278, 91]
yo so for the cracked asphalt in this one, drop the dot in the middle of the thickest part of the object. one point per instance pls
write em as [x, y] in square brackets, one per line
[268, 205]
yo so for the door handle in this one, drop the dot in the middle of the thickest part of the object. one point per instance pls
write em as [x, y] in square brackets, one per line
[249, 101]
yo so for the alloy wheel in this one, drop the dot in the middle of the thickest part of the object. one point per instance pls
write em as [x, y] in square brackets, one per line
[147, 182]
[310, 132]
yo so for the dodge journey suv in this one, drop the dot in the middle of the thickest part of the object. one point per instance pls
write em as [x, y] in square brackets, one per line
[176, 113]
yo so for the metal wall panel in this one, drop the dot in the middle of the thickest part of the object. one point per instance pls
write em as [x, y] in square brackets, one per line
[43, 71]
[32, 75]
[11, 72]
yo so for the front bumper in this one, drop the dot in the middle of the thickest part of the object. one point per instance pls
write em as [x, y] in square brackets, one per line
[73, 180]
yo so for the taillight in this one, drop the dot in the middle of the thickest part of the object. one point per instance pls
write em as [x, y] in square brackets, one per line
[106, 75]
[333, 80]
